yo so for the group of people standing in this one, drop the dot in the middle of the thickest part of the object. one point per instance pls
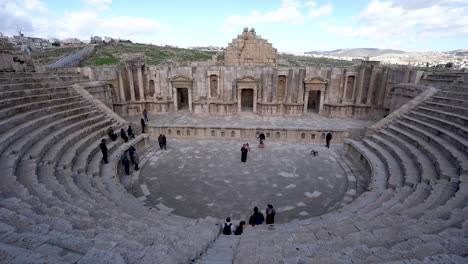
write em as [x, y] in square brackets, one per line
[162, 141]
[257, 218]
[134, 159]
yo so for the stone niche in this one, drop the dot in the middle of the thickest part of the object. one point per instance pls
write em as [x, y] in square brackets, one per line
[314, 94]
[182, 91]
[248, 49]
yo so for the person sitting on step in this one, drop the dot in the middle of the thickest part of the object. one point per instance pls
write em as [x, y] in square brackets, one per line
[228, 227]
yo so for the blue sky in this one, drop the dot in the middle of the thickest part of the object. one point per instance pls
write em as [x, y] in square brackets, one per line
[290, 25]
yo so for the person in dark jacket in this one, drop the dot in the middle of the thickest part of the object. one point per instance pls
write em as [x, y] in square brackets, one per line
[103, 150]
[131, 150]
[270, 214]
[143, 125]
[160, 140]
[328, 138]
[257, 218]
[123, 135]
[164, 141]
[112, 135]
[130, 132]
[244, 151]
[240, 228]
[136, 160]
[126, 164]
[145, 115]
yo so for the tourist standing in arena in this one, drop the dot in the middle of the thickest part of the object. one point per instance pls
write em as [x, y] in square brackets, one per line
[104, 150]
[160, 141]
[142, 125]
[145, 115]
[244, 151]
[257, 218]
[123, 135]
[328, 138]
[270, 214]
[126, 164]
[164, 141]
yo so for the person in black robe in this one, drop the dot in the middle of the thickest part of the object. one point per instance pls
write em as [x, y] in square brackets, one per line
[126, 164]
[244, 151]
[131, 150]
[257, 218]
[261, 137]
[123, 135]
[130, 132]
[328, 138]
[270, 214]
[164, 141]
[142, 121]
[103, 150]
[240, 228]
[160, 141]
[112, 135]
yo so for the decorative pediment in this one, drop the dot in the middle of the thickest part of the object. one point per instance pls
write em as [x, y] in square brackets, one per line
[315, 80]
[247, 79]
[180, 78]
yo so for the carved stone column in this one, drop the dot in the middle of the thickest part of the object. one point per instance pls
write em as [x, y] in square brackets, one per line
[130, 81]
[121, 88]
[140, 83]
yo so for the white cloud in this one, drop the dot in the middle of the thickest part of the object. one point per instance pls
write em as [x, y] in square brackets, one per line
[405, 20]
[28, 16]
[322, 10]
[287, 13]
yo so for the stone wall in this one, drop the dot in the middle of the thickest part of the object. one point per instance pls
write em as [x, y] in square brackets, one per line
[361, 92]
[15, 61]
[248, 49]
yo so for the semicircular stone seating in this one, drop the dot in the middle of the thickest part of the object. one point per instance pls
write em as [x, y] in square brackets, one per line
[60, 204]
[58, 201]
[415, 209]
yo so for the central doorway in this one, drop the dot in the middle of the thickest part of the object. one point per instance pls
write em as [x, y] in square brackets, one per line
[182, 99]
[247, 100]
[313, 102]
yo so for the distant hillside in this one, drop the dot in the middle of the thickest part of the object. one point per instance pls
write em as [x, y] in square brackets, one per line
[362, 52]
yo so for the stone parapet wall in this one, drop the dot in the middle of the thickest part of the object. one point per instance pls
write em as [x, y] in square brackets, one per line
[278, 134]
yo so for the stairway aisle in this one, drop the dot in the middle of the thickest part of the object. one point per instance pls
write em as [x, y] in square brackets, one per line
[222, 251]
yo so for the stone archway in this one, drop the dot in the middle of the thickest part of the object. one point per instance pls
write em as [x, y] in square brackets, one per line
[247, 94]
[182, 92]
[314, 89]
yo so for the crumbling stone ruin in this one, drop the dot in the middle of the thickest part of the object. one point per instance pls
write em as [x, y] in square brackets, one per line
[249, 49]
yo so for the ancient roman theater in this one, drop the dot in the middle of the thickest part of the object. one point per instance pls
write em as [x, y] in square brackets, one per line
[391, 188]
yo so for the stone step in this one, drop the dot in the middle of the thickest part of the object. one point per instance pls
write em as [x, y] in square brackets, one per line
[15, 120]
[38, 79]
[425, 167]
[420, 194]
[459, 102]
[38, 149]
[441, 123]
[12, 135]
[396, 177]
[442, 164]
[6, 75]
[11, 111]
[446, 108]
[32, 92]
[457, 158]
[460, 120]
[27, 86]
[456, 140]
[34, 98]
[455, 95]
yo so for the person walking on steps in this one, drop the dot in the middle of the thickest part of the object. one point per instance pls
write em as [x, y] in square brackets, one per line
[126, 164]
[145, 115]
[123, 135]
[270, 215]
[104, 150]
[164, 142]
[328, 138]
[228, 227]
[131, 151]
[130, 132]
[136, 160]
[257, 218]
[142, 121]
